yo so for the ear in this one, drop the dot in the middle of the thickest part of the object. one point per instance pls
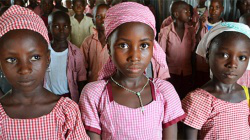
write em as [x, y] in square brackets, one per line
[176, 15]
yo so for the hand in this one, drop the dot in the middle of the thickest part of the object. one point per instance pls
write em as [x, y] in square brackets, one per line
[202, 21]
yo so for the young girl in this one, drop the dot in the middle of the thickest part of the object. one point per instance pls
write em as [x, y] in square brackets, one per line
[128, 105]
[219, 109]
[30, 111]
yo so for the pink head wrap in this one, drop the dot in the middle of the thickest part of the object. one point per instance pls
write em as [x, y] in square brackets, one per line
[130, 12]
[17, 17]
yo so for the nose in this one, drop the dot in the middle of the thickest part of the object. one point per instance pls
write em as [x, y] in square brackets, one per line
[232, 63]
[134, 54]
[24, 68]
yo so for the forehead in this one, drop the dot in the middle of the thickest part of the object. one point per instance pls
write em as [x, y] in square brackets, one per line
[16, 38]
[47, 1]
[102, 8]
[131, 30]
[216, 2]
[231, 40]
[58, 18]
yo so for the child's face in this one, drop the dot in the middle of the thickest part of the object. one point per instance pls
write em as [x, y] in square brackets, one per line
[184, 14]
[60, 28]
[24, 58]
[215, 9]
[131, 48]
[78, 7]
[229, 60]
[100, 16]
[244, 6]
[47, 6]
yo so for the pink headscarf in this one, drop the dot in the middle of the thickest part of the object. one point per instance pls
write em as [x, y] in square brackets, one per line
[17, 17]
[130, 12]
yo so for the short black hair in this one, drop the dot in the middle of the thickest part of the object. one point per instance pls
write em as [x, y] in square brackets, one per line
[96, 8]
[58, 14]
[176, 6]
[83, 2]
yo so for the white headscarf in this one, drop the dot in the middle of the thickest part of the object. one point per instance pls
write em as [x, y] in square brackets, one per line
[204, 44]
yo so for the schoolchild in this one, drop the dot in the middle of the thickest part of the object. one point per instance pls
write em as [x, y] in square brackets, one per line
[66, 74]
[30, 111]
[94, 47]
[178, 42]
[220, 108]
[127, 104]
[81, 24]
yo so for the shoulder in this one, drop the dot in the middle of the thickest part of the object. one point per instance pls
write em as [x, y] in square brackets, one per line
[165, 89]
[198, 96]
[67, 108]
[162, 84]
[75, 50]
[94, 89]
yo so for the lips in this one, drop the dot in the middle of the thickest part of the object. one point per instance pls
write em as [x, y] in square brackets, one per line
[26, 82]
[230, 75]
[134, 68]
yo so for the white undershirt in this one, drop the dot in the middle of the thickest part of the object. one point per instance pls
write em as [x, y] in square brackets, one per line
[56, 75]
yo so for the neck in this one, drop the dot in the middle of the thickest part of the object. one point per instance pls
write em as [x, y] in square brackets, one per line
[179, 24]
[214, 20]
[59, 45]
[79, 16]
[28, 96]
[129, 82]
[223, 88]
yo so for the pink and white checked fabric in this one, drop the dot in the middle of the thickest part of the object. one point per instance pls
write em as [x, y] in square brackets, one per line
[216, 119]
[17, 17]
[130, 12]
[102, 115]
[63, 122]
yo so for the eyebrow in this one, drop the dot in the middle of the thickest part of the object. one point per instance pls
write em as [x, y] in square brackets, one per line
[144, 39]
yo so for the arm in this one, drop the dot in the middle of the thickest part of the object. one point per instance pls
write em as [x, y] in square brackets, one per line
[202, 22]
[190, 133]
[93, 136]
[170, 133]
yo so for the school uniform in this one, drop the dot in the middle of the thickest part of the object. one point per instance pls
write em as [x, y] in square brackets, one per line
[75, 72]
[178, 53]
[95, 55]
[63, 122]
[79, 31]
[102, 115]
[216, 119]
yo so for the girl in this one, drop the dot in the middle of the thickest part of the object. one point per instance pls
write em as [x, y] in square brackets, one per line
[128, 105]
[219, 109]
[30, 111]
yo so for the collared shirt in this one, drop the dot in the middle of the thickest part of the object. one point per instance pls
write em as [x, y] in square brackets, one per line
[62, 123]
[79, 31]
[95, 55]
[178, 51]
[75, 70]
[102, 115]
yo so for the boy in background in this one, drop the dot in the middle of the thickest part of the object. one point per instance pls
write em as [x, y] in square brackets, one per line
[81, 24]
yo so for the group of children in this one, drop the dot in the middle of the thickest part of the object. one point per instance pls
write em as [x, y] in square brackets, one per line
[127, 86]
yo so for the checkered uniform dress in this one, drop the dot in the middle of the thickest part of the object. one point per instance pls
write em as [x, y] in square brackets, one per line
[216, 119]
[63, 122]
[102, 115]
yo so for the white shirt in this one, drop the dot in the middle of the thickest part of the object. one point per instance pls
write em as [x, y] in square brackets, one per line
[56, 75]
